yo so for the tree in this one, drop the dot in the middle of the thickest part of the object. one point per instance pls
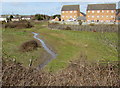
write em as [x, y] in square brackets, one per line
[39, 17]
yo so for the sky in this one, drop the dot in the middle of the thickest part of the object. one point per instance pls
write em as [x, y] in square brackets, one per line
[49, 8]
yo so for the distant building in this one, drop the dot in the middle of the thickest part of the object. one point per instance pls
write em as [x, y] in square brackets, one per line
[101, 13]
[3, 18]
[70, 12]
[25, 17]
[15, 19]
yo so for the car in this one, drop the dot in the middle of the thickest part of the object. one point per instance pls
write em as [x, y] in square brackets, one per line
[71, 19]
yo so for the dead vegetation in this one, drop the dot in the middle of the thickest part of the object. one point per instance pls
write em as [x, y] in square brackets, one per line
[29, 46]
[78, 73]
[18, 24]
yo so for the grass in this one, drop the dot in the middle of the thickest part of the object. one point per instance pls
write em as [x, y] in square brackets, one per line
[68, 45]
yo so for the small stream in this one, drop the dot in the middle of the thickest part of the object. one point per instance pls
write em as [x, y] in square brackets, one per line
[53, 55]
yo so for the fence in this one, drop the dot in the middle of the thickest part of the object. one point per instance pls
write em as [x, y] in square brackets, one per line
[96, 28]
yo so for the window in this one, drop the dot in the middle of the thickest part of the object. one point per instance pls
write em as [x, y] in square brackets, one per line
[112, 11]
[75, 11]
[98, 16]
[63, 16]
[70, 11]
[88, 16]
[74, 16]
[98, 11]
[66, 11]
[88, 11]
[102, 11]
[107, 11]
[70, 16]
[66, 16]
[102, 16]
[92, 11]
[111, 16]
[62, 11]
[106, 16]
[92, 16]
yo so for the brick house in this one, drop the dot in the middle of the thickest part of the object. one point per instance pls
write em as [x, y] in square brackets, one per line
[101, 13]
[70, 12]
[118, 15]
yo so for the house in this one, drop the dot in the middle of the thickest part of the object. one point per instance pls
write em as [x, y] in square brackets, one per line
[101, 13]
[15, 19]
[56, 19]
[25, 17]
[118, 15]
[70, 12]
[3, 18]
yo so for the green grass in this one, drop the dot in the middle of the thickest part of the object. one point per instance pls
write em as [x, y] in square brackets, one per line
[68, 45]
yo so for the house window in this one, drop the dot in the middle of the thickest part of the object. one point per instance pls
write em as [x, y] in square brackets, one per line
[70, 11]
[62, 11]
[88, 11]
[98, 11]
[63, 16]
[66, 16]
[102, 16]
[112, 11]
[98, 16]
[111, 16]
[92, 11]
[75, 11]
[107, 11]
[70, 16]
[88, 16]
[92, 16]
[106, 16]
[66, 11]
[74, 16]
[102, 11]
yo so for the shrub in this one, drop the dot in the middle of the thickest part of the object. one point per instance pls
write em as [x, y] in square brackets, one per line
[92, 24]
[80, 22]
[19, 24]
[67, 28]
[29, 46]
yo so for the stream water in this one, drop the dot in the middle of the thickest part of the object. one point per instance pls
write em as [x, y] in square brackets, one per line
[53, 55]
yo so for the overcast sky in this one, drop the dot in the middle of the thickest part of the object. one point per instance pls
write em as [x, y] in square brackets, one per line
[28, 7]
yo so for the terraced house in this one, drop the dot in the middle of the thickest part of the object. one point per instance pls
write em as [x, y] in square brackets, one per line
[70, 12]
[101, 13]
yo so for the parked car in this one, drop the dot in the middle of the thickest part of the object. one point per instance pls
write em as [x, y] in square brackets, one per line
[71, 19]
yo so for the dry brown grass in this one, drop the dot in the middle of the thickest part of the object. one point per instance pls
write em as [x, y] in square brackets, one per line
[29, 46]
[78, 73]
[18, 24]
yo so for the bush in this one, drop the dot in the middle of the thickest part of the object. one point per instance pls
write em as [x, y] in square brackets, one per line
[29, 46]
[67, 28]
[80, 22]
[92, 24]
[19, 24]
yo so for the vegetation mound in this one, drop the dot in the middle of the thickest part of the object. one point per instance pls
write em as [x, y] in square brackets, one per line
[18, 24]
[29, 46]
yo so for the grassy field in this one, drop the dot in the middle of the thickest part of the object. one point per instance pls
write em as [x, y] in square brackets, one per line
[69, 45]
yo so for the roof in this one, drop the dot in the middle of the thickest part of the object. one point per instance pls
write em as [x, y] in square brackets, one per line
[83, 13]
[101, 7]
[70, 7]
[81, 18]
